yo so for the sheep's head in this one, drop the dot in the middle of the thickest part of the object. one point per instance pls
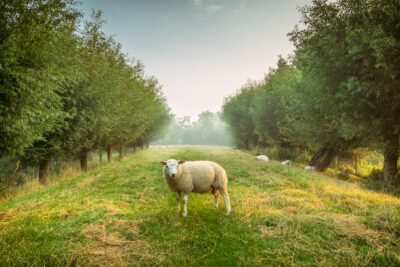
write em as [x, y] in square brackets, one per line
[171, 166]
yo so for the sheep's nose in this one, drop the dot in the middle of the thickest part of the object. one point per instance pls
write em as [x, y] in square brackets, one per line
[173, 175]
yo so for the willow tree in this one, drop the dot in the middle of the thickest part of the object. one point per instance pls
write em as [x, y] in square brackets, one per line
[158, 116]
[236, 112]
[348, 53]
[275, 99]
[67, 90]
[114, 103]
[95, 95]
[32, 71]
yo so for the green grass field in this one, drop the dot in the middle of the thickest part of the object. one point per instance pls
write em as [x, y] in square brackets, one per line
[124, 214]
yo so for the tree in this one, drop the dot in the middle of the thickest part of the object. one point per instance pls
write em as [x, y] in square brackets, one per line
[347, 51]
[31, 70]
[236, 112]
[105, 99]
[207, 130]
[273, 103]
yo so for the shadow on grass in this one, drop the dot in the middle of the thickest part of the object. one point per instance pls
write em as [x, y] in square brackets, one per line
[377, 183]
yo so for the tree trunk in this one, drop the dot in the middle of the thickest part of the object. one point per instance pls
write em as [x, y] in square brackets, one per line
[84, 160]
[322, 159]
[356, 163]
[101, 155]
[121, 152]
[109, 153]
[44, 167]
[391, 156]
[248, 144]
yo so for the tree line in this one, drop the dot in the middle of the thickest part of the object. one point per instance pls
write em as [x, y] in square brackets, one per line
[66, 88]
[208, 129]
[340, 90]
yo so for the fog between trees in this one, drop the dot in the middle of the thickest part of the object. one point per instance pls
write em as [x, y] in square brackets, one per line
[208, 129]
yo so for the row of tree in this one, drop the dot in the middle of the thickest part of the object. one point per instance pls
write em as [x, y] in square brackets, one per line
[209, 129]
[67, 88]
[340, 90]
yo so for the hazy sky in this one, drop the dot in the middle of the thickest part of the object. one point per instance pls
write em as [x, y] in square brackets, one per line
[201, 50]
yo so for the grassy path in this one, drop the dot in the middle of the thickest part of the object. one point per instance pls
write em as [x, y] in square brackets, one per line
[124, 214]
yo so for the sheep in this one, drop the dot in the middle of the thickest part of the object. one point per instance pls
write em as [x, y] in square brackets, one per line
[262, 158]
[197, 177]
[309, 168]
[286, 162]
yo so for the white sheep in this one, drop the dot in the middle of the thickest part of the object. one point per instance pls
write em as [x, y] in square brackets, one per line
[198, 177]
[286, 162]
[262, 158]
[309, 168]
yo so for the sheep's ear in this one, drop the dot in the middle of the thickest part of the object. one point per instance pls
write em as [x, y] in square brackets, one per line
[163, 162]
[181, 161]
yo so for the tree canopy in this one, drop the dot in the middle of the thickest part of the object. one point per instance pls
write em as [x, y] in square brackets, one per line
[67, 88]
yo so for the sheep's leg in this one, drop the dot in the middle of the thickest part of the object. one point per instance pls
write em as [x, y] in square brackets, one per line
[227, 202]
[178, 201]
[185, 200]
[216, 198]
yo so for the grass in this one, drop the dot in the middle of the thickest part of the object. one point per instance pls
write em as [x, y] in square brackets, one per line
[124, 214]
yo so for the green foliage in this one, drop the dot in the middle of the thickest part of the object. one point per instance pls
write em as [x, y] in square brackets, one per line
[340, 92]
[375, 181]
[69, 89]
[274, 106]
[346, 51]
[115, 104]
[32, 70]
[236, 112]
[265, 113]
[9, 174]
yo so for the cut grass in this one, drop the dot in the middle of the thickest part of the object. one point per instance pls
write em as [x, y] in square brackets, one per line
[124, 214]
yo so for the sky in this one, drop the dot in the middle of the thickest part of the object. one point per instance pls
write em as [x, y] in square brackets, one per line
[201, 51]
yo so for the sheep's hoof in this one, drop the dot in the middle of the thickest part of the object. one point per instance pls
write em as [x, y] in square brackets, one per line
[228, 212]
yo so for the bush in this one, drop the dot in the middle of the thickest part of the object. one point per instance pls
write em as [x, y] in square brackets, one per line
[375, 181]
[285, 153]
[9, 174]
[345, 174]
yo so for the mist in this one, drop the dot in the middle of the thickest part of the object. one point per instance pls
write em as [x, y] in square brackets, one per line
[208, 129]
